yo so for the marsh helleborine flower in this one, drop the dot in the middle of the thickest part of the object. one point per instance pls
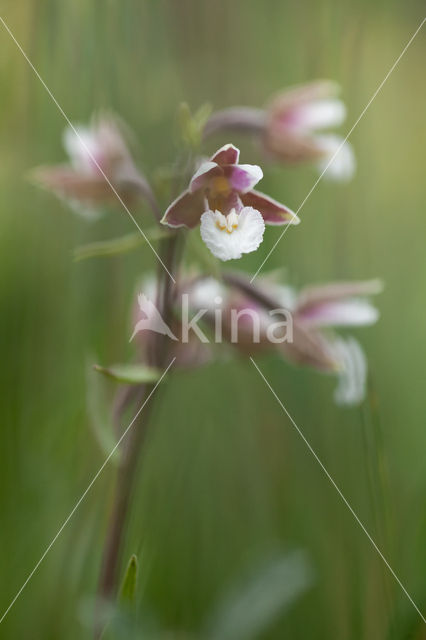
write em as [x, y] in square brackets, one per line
[291, 128]
[294, 118]
[316, 311]
[222, 200]
[98, 154]
[321, 308]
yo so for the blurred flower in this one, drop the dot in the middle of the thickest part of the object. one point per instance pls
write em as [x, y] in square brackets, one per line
[335, 304]
[99, 160]
[267, 317]
[289, 128]
[343, 304]
[294, 117]
[232, 214]
[315, 311]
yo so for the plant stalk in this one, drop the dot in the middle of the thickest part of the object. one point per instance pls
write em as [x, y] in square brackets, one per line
[158, 353]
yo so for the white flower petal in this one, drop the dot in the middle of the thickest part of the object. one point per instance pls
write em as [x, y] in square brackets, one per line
[81, 148]
[353, 374]
[321, 114]
[354, 312]
[342, 166]
[244, 239]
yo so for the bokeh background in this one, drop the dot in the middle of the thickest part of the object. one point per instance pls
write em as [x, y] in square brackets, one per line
[226, 483]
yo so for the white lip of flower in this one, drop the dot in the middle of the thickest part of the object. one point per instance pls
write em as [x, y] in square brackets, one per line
[228, 237]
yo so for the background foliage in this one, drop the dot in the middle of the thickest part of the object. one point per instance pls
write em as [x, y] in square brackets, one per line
[226, 482]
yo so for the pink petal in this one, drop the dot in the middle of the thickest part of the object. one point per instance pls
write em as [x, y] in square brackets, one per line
[302, 94]
[335, 291]
[356, 312]
[185, 211]
[243, 177]
[226, 155]
[69, 183]
[273, 212]
[201, 177]
[290, 146]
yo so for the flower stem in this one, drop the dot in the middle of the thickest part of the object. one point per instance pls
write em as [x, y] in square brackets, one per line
[125, 481]
[158, 354]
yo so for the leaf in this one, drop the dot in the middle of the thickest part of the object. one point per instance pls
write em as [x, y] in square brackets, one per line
[248, 608]
[99, 412]
[118, 246]
[192, 125]
[130, 373]
[202, 115]
[128, 587]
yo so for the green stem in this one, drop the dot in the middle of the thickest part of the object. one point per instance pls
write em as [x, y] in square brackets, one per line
[158, 354]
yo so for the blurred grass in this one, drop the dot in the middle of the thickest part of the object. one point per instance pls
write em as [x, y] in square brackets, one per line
[224, 479]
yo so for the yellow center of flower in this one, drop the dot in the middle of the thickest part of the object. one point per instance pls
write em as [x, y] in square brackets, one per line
[226, 223]
[220, 187]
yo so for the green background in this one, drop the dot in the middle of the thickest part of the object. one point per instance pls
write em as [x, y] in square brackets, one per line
[226, 481]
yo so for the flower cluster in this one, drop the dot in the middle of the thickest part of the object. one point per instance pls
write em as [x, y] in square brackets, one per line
[242, 315]
[223, 203]
[184, 316]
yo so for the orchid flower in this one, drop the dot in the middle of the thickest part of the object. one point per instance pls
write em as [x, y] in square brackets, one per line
[100, 168]
[337, 304]
[341, 304]
[231, 214]
[294, 119]
[316, 311]
[291, 128]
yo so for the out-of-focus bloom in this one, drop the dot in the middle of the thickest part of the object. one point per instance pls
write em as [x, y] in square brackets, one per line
[293, 119]
[336, 304]
[343, 304]
[267, 317]
[320, 309]
[293, 128]
[232, 214]
[98, 156]
[315, 312]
